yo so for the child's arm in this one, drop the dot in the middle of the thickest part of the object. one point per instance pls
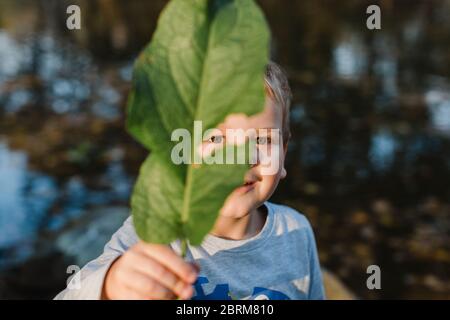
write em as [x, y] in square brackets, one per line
[90, 277]
[132, 269]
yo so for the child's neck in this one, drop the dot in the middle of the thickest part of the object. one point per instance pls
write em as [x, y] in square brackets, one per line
[240, 228]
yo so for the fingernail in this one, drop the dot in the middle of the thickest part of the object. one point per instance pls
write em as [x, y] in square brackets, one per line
[187, 292]
[193, 276]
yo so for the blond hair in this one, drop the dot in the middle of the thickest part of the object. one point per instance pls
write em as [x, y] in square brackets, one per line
[277, 87]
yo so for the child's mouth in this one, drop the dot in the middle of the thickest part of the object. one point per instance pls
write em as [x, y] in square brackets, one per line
[246, 187]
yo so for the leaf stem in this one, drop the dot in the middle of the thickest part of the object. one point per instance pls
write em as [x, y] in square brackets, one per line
[183, 247]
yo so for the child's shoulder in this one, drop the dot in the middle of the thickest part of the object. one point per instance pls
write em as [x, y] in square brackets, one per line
[288, 216]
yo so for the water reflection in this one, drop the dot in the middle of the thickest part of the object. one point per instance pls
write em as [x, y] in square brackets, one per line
[25, 197]
[438, 103]
[382, 150]
[386, 66]
[40, 74]
[350, 58]
[28, 197]
[11, 56]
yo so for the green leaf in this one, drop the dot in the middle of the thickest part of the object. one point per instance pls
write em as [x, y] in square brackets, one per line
[206, 60]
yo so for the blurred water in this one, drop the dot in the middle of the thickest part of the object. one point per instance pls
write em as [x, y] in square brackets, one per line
[438, 103]
[11, 56]
[350, 58]
[65, 87]
[33, 202]
[382, 150]
[25, 197]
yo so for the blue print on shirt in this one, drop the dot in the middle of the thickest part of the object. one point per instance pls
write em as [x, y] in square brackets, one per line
[221, 292]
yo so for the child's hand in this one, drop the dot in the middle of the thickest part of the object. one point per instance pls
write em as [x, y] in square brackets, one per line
[149, 271]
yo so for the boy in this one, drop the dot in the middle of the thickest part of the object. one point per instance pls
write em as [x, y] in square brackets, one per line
[256, 249]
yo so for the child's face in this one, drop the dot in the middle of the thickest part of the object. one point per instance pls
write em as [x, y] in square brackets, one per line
[261, 182]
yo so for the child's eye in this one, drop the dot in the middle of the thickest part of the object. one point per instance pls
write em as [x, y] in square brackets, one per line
[215, 139]
[263, 140]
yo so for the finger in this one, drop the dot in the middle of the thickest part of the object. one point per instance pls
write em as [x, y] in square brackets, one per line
[130, 294]
[126, 293]
[166, 256]
[146, 265]
[147, 287]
